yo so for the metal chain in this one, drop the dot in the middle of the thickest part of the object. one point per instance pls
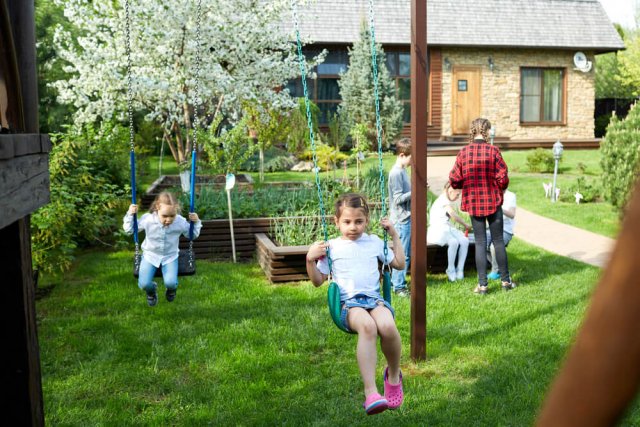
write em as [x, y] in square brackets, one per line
[374, 65]
[131, 130]
[303, 75]
[196, 117]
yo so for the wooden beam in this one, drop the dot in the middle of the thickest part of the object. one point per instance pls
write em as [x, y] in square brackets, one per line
[601, 374]
[419, 81]
[21, 384]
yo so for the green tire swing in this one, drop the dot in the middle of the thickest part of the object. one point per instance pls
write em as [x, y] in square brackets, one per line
[186, 259]
[333, 293]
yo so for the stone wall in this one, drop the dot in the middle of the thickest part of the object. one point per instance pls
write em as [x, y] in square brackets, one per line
[500, 91]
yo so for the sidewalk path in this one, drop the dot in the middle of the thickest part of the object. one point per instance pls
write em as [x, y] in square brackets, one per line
[553, 236]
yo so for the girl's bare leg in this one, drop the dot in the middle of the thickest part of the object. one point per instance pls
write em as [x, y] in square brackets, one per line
[390, 341]
[366, 352]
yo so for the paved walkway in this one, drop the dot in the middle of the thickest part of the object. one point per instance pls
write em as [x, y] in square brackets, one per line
[545, 233]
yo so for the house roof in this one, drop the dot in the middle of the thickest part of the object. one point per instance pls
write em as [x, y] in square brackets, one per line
[555, 24]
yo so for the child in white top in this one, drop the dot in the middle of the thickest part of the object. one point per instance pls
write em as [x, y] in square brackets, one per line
[442, 232]
[354, 267]
[163, 226]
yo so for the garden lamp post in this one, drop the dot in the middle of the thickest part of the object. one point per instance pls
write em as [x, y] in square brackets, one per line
[557, 153]
[492, 134]
[230, 182]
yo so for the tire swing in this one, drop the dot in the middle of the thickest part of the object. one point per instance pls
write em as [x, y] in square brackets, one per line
[333, 293]
[186, 258]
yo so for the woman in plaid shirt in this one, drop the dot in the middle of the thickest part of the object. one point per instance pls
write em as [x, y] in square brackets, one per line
[482, 174]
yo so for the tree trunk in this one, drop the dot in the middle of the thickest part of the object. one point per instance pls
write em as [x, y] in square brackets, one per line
[261, 163]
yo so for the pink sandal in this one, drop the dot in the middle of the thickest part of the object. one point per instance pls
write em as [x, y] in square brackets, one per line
[393, 392]
[374, 404]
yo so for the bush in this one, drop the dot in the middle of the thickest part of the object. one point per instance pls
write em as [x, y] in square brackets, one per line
[591, 191]
[275, 160]
[540, 160]
[88, 172]
[620, 160]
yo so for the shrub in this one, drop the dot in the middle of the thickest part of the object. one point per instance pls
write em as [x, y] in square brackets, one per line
[591, 191]
[88, 172]
[620, 159]
[275, 160]
[540, 160]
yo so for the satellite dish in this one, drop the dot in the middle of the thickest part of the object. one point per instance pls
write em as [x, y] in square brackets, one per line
[581, 62]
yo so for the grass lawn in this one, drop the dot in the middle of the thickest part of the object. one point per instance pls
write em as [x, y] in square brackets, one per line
[235, 350]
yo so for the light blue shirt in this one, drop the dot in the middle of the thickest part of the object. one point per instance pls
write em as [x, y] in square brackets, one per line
[160, 245]
[399, 195]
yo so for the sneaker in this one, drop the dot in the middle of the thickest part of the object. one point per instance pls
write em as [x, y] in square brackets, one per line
[451, 274]
[494, 275]
[152, 298]
[403, 293]
[393, 392]
[481, 290]
[374, 404]
[507, 286]
[459, 274]
[170, 294]
[152, 295]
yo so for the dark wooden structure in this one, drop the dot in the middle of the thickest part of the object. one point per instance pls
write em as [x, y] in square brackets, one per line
[24, 187]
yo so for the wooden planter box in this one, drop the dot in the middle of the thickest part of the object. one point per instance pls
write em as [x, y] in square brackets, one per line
[288, 264]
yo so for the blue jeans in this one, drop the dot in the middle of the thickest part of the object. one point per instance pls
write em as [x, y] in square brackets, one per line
[398, 277]
[148, 270]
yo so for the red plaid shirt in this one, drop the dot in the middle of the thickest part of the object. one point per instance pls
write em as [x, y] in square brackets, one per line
[483, 176]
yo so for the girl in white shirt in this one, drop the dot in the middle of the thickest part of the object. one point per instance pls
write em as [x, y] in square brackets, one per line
[354, 267]
[163, 226]
[442, 232]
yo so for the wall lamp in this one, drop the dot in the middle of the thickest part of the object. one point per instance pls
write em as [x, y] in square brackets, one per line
[491, 63]
[447, 64]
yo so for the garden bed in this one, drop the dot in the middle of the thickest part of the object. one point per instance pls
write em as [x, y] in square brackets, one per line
[287, 263]
[167, 182]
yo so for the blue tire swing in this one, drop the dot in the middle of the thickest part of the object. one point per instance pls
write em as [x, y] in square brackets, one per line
[186, 259]
[333, 293]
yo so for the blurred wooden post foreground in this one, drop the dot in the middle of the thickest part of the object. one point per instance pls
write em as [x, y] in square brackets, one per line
[601, 374]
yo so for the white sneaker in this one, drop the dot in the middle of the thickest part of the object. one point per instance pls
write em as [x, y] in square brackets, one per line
[459, 274]
[451, 274]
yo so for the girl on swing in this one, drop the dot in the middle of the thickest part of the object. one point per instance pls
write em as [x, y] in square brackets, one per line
[163, 226]
[354, 266]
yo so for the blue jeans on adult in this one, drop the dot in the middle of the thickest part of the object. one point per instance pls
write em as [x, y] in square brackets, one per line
[398, 277]
[148, 270]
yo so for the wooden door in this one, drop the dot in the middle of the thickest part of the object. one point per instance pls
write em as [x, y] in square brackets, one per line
[465, 98]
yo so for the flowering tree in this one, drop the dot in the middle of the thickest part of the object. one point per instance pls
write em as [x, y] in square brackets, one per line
[245, 49]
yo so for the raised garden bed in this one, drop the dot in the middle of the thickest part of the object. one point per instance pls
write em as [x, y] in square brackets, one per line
[287, 263]
[168, 182]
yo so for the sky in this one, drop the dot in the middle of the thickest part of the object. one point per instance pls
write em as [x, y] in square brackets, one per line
[621, 11]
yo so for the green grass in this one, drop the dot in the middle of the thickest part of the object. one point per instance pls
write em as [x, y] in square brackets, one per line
[235, 350]
[569, 163]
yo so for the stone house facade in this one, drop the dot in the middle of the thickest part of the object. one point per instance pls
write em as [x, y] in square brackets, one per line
[511, 61]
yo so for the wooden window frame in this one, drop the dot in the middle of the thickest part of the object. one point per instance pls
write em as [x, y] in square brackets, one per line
[563, 113]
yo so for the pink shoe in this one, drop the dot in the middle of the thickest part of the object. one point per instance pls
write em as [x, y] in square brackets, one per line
[374, 404]
[393, 392]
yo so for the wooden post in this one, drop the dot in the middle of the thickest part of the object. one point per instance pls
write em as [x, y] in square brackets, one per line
[601, 374]
[418, 179]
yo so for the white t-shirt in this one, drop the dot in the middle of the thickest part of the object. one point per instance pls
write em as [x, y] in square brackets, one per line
[438, 213]
[509, 202]
[354, 265]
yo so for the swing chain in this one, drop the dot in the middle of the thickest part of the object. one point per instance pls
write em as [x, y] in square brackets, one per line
[374, 65]
[303, 77]
[196, 98]
[130, 114]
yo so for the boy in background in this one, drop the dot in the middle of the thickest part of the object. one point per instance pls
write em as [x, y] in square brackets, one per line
[400, 210]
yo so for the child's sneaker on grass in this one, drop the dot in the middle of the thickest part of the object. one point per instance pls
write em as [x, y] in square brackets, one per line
[374, 404]
[481, 290]
[507, 286]
[451, 274]
[170, 294]
[494, 275]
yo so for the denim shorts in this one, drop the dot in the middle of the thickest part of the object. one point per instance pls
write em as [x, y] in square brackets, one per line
[362, 301]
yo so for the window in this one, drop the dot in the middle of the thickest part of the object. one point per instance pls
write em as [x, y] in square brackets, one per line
[324, 91]
[542, 94]
[399, 66]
